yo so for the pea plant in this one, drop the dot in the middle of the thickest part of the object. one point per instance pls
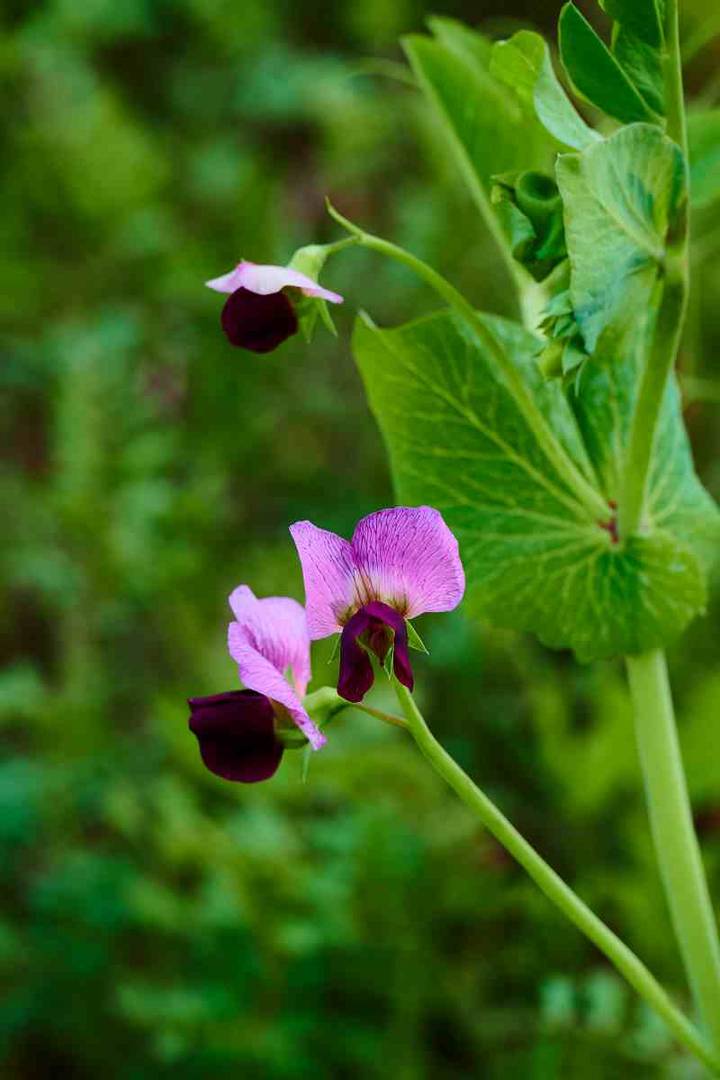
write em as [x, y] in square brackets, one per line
[542, 465]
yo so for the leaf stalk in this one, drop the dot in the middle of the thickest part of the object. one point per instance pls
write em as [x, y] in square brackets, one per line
[591, 503]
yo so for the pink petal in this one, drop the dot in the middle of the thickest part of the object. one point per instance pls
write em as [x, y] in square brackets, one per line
[328, 570]
[259, 674]
[410, 560]
[277, 626]
[270, 637]
[270, 279]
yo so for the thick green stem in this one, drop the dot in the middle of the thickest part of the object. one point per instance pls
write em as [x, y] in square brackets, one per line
[659, 362]
[676, 844]
[626, 962]
[588, 497]
[662, 352]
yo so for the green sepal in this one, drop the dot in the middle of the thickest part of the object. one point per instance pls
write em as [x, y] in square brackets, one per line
[323, 705]
[335, 652]
[310, 260]
[414, 639]
[388, 662]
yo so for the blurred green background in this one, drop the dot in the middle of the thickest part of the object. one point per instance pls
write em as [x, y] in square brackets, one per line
[155, 920]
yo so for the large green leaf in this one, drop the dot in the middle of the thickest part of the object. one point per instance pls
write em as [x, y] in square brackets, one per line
[534, 560]
[704, 139]
[524, 63]
[596, 73]
[620, 196]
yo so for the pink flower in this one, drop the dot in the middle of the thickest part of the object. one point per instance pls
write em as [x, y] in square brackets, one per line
[238, 731]
[258, 314]
[400, 563]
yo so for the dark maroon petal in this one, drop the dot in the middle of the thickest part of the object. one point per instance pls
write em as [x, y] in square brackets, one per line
[259, 323]
[356, 673]
[377, 624]
[236, 734]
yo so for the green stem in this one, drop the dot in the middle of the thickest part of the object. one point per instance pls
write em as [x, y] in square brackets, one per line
[325, 704]
[589, 498]
[660, 356]
[626, 962]
[387, 718]
[659, 362]
[676, 844]
[672, 77]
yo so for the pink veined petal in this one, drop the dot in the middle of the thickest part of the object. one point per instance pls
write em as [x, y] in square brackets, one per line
[258, 673]
[263, 280]
[409, 559]
[277, 628]
[328, 570]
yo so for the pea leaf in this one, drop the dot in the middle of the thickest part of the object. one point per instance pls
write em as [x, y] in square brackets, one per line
[461, 39]
[524, 64]
[534, 560]
[704, 139]
[488, 129]
[595, 73]
[620, 197]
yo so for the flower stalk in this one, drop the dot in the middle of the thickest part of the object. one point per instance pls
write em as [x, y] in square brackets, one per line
[557, 891]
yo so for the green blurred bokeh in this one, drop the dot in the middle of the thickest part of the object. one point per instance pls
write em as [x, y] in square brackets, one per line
[156, 921]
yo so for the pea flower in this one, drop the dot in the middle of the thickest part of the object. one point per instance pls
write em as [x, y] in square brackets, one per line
[240, 732]
[258, 315]
[400, 563]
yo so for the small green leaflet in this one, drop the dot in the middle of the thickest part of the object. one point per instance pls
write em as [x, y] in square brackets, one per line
[534, 560]
[620, 197]
[595, 73]
[643, 63]
[524, 64]
[642, 17]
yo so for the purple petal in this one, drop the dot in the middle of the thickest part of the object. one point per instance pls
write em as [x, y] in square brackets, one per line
[380, 626]
[258, 323]
[278, 629]
[328, 570]
[410, 560]
[270, 637]
[265, 280]
[236, 735]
